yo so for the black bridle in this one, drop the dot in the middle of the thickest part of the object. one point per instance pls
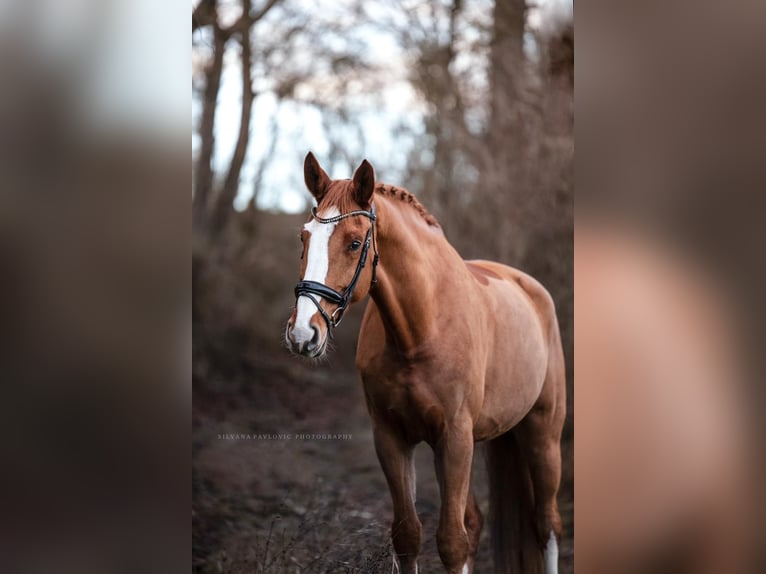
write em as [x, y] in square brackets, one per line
[341, 298]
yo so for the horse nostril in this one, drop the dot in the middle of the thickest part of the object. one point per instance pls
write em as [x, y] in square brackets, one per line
[315, 337]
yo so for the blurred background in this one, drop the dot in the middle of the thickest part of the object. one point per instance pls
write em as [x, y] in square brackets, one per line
[94, 268]
[469, 105]
[94, 294]
[669, 280]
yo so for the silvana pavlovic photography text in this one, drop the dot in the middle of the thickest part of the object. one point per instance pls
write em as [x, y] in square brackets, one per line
[285, 436]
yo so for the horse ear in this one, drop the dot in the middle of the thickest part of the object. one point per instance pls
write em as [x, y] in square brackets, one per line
[364, 183]
[315, 177]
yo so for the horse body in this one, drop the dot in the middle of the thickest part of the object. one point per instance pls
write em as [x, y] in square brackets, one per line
[476, 326]
[452, 353]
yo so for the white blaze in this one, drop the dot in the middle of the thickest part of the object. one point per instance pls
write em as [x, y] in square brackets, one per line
[552, 555]
[318, 263]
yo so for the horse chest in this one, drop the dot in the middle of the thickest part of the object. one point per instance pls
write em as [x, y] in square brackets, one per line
[405, 400]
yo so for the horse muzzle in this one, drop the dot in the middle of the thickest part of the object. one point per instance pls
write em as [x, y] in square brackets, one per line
[308, 342]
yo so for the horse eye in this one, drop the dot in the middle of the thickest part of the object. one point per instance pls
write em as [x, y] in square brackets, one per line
[355, 244]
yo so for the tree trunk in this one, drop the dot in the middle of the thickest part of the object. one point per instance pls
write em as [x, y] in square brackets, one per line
[502, 179]
[225, 199]
[203, 176]
[507, 68]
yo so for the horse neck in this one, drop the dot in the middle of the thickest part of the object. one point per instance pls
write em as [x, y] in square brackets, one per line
[414, 261]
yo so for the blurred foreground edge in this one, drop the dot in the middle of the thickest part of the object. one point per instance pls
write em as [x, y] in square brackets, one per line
[664, 451]
[669, 283]
[94, 270]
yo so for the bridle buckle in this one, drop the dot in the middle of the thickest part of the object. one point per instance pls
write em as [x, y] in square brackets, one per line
[338, 311]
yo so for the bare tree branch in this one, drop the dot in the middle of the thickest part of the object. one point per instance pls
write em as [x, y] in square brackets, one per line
[205, 14]
[263, 11]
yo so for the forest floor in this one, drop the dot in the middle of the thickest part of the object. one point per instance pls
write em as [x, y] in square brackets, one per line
[292, 504]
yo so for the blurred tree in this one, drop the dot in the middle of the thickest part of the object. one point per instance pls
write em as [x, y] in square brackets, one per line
[313, 59]
[509, 138]
[204, 16]
[211, 209]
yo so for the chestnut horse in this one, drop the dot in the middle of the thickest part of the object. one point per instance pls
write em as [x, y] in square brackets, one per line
[451, 352]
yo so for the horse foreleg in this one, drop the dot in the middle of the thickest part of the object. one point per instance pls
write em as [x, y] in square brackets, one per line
[453, 455]
[396, 459]
[473, 524]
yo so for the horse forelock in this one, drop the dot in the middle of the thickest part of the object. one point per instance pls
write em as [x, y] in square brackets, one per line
[340, 195]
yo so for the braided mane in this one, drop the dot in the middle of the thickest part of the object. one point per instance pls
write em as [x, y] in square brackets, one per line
[405, 196]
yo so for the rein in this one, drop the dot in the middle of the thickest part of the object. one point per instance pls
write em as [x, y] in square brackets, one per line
[341, 298]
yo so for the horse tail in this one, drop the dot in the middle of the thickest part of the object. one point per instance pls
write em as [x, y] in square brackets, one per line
[511, 507]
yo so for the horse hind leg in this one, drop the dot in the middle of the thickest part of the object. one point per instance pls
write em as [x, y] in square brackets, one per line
[544, 455]
[541, 432]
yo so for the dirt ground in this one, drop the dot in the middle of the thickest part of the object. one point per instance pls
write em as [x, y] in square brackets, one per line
[292, 504]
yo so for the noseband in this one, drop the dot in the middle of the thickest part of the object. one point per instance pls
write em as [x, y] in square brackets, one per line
[341, 298]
